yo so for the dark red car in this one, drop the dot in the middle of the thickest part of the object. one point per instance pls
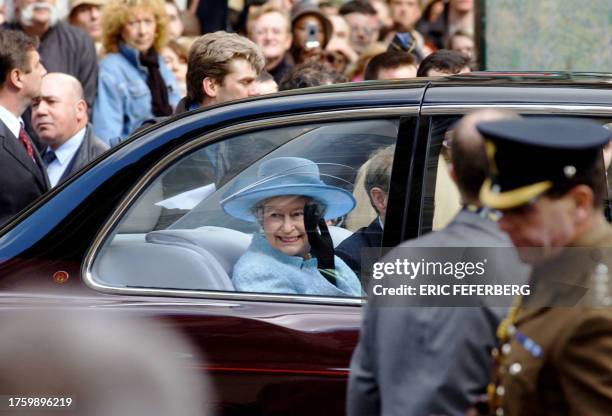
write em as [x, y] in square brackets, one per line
[141, 229]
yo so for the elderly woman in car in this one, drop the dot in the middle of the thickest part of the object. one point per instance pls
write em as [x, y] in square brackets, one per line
[293, 253]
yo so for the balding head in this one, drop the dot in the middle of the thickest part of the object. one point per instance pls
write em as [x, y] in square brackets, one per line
[60, 111]
[468, 156]
[68, 83]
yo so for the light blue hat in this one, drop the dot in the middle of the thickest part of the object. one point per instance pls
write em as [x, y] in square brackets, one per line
[287, 176]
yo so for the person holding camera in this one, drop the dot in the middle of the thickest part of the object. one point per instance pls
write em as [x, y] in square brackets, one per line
[294, 252]
[311, 32]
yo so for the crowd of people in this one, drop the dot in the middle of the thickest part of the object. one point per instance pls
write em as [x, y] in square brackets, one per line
[115, 66]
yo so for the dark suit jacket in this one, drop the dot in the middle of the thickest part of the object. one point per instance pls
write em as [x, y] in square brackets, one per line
[91, 148]
[417, 361]
[21, 180]
[350, 249]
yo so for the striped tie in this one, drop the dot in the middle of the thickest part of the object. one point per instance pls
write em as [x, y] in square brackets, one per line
[25, 141]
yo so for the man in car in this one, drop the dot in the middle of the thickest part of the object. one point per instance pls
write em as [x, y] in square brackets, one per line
[376, 184]
[23, 177]
[435, 360]
[556, 350]
[59, 117]
[270, 29]
[221, 67]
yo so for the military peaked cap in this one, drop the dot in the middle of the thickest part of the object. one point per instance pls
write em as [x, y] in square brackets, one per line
[528, 157]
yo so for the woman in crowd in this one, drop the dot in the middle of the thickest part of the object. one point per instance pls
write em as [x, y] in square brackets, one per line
[134, 84]
[293, 253]
[175, 56]
[175, 26]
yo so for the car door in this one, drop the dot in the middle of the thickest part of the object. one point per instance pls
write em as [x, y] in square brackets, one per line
[169, 250]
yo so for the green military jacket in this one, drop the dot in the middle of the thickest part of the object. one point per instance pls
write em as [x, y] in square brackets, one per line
[557, 360]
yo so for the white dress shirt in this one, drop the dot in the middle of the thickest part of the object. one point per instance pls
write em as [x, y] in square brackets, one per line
[63, 156]
[12, 122]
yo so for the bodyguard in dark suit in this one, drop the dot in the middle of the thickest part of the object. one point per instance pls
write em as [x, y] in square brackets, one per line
[376, 183]
[59, 117]
[416, 361]
[23, 178]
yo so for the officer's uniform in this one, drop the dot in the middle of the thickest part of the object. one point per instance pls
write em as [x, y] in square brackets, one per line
[552, 360]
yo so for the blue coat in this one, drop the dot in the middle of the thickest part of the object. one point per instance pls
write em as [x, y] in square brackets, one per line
[124, 98]
[264, 269]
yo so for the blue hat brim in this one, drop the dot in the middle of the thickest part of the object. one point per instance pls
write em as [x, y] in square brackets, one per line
[337, 200]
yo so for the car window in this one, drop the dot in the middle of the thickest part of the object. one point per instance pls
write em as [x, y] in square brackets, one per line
[180, 234]
[441, 200]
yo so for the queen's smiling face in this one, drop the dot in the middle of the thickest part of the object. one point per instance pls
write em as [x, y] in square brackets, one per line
[283, 224]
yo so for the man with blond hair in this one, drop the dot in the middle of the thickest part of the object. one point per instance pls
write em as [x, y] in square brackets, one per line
[270, 29]
[221, 67]
[376, 183]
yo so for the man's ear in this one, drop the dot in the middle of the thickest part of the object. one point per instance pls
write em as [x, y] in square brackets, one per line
[210, 87]
[15, 78]
[379, 199]
[582, 197]
[81, 109]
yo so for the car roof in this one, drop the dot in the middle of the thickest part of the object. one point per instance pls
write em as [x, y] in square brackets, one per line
[459, 91]
[501, 79]
[476, 78]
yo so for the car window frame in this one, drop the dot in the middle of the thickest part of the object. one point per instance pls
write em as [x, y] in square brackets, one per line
[428, 112]
[197, 142]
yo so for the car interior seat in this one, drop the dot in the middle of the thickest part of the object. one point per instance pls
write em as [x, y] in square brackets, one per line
[197, 259]
[224, 244]
[133, 263]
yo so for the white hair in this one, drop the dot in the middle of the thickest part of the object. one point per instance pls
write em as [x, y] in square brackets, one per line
[61, 9]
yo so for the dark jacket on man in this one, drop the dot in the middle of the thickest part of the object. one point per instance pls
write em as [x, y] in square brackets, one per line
[90, 148]
[367, 237]
[67, 49]
[22, 180]
[283, 68]
[414, 361]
